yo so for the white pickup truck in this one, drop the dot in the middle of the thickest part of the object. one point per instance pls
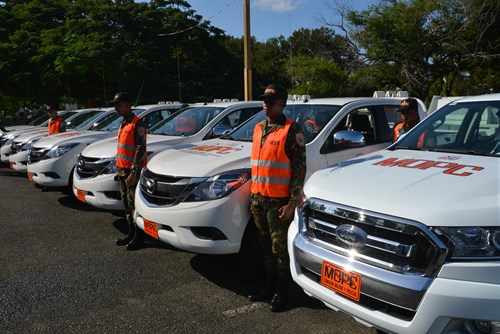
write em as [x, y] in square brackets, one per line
[93, 181]
[53, 158]
[196, 197]
[407, 240]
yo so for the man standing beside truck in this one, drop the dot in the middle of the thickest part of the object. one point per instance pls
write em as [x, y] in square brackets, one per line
[56, 123]
[130, 159]
[278, 163]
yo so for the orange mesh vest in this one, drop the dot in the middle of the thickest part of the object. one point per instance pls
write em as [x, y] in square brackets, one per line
[54, 125]
[271, 167]
[126, 145]
[397, 132]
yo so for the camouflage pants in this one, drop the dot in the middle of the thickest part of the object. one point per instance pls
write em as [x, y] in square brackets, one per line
[127, 192]
[272, 232]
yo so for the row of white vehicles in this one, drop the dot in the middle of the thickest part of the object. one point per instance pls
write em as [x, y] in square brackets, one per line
[403, 238]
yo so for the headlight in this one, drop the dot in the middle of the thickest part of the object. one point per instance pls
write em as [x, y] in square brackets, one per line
[219, 186]
[58, 151]
[473, 242]
[110, 167]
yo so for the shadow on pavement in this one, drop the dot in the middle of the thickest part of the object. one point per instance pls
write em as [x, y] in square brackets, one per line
[226, 272]
[121, 225]
[70, 201]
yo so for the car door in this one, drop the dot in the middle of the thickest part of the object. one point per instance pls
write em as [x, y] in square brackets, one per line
[369, 120]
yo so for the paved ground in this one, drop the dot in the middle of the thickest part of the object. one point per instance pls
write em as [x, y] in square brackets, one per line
[62, 273]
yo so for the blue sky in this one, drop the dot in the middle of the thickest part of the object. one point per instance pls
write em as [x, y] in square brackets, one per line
[270, 18]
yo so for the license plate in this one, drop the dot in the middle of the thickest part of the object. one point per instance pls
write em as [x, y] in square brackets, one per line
[80, 194]
[11, 165]
[30, 177]
[151, 228]
[345, 282]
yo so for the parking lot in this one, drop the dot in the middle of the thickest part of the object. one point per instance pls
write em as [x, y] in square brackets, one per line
[62, 272]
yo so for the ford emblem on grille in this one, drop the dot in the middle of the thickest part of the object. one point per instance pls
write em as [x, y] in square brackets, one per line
[150, 186]
[351, 235]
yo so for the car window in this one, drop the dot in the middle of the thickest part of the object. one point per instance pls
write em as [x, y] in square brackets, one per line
[468, 128]
[157, 116]
[233, 120]
[81, 119]
[187, 121]
[112, 123]
[302, 114]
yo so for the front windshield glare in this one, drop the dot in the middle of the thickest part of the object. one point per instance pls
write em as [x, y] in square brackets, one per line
[469, 127]
[311, 118]
[187, 122]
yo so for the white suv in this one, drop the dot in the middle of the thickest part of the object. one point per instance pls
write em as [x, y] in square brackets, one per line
[407, 239]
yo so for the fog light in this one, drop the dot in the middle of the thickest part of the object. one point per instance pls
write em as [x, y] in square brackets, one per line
[479, 327]
[208, 233]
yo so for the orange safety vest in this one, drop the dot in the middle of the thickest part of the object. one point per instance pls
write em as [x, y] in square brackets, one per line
[397, 132]
[271, 167]
[126, 145]
[54, 125]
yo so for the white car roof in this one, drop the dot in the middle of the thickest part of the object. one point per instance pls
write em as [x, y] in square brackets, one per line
[479, 98]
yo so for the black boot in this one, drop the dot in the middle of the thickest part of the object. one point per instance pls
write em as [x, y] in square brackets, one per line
[267, 291]
[138, 239]
[128, 237]
[280, 298]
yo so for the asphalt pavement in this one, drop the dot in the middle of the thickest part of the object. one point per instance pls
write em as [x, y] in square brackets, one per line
[61, 272]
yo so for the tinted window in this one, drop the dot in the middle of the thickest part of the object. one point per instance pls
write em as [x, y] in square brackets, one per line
[187, 122]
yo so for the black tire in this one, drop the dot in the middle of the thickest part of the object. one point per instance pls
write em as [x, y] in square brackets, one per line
[250, 256]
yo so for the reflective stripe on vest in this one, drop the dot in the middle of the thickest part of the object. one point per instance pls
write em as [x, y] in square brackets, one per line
[271, 167]
[54, 125]
[126, 145]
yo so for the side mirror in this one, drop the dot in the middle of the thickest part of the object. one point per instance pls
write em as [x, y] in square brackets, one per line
[220, 130]
[348, 139]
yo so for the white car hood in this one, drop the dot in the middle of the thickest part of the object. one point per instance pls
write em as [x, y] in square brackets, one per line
[72, 137]
[107, 148]
[202, 159]
[429, 196]
[31, 135]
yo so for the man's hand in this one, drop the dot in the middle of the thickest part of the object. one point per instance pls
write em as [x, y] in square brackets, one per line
[132, 179]
[286, 213]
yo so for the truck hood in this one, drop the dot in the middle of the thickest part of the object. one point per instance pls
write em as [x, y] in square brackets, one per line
[24, 137]
[86, 136]
[107, 148]
[202, 159]
[459, 190]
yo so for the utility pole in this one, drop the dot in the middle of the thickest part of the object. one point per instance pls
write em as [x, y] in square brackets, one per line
[246, 50]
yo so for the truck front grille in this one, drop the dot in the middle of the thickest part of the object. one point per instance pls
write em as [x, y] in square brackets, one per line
[87, 167]
[388, 242]
[16, 147]
[399, 257]
[36, 154]
[164, 190]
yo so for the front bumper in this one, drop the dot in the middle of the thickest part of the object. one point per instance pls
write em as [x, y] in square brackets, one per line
[450, 297]
[5, 153]
[19, 161]
[54, 172]
[101, 191]
[229, 215]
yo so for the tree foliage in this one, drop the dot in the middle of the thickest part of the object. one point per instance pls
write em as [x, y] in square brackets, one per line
[73, 50]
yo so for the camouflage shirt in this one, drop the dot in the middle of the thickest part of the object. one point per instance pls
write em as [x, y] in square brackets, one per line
[140, 135]
[295, 149]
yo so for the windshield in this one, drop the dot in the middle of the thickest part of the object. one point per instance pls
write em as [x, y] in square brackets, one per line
[186, 122]
[82, 119]
[112, 122]
[469, 128]
[40, 120]
[311, 119]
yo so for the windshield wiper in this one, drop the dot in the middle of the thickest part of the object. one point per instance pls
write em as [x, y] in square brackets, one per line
[399, 147]
[473, 152]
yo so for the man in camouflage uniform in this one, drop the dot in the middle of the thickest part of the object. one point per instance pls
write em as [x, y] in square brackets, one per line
[128, 178]
[274, 210]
